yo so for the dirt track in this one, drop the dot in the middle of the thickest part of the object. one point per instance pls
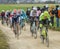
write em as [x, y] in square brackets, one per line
[26, 41]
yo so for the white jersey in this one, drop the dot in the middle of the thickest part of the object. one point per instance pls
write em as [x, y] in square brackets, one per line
[33, 13]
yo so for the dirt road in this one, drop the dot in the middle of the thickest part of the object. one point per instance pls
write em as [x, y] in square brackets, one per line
[26, 41]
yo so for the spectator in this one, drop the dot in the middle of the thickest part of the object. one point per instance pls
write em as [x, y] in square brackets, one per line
[51, 12]
[59, 14]
[56, 14]
[28, 13]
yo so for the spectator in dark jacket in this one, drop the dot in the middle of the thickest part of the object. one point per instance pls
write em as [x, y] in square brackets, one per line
[56, 14]
[28, 13]
[52, 16]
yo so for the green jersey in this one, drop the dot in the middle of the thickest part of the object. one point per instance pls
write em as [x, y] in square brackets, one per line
[42, 16]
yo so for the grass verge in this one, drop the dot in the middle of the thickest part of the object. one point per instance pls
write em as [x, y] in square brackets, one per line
[55, 28]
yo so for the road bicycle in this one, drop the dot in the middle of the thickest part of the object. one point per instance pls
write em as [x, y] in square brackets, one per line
[44, 34]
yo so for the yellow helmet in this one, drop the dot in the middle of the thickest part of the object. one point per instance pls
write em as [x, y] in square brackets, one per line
[3, 10]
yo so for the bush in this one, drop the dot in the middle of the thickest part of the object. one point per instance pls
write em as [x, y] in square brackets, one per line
[55, 28]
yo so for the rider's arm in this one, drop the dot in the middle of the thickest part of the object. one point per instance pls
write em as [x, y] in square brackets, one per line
[30, 14]
[48, 16]
[41, 17]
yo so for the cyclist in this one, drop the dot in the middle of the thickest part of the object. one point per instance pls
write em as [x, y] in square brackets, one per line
[3, 16]
[15, 20]
[38, 14]
[7, 14]
[44, 19]
[34, 20]
[11, 15]
[33, 14]
[23, 18]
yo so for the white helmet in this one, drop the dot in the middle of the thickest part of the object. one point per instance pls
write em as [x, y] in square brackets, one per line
[34, 8]
[47, 5]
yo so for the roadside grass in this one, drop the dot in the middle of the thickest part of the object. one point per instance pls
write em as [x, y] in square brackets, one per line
[19, 6]
[3, 41]
[55, 28]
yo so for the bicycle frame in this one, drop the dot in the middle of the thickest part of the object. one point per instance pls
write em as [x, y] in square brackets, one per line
[21, 23]
[34, 29]
[45, 35]
[15, 28]
[44, 31]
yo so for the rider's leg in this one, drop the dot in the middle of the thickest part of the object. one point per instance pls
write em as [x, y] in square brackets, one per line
[2, 19]
[17, 24]
[12, 24]
[31, 22]
[37, 22]
[40, 31]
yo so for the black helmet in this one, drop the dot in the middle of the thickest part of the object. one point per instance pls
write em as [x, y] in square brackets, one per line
[57, 6]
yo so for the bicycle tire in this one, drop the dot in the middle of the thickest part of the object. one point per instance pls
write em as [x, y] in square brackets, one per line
[35, 32]
[44, 36]
[47, 41]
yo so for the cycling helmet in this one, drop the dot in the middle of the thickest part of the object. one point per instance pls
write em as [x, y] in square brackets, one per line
[15, 11]
[3, 10]
[34, 8]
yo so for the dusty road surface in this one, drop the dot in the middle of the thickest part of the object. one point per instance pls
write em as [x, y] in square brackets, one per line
[26, 41]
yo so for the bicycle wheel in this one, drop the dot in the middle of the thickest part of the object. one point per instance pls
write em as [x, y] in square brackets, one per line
[35, 31]
[31, 29]
[17, 31]
[47, 41]
[42, 39]
[14, 30]
[43, 34]
[17, 35]
[2, 21]
[20, 26]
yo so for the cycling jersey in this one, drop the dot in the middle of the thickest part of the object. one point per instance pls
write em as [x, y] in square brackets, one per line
[7, 13]
[3, 15]
[23, 15]
[14, 19]
[31, 13]
[42, 16]
[43, 20]
[38, 13]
